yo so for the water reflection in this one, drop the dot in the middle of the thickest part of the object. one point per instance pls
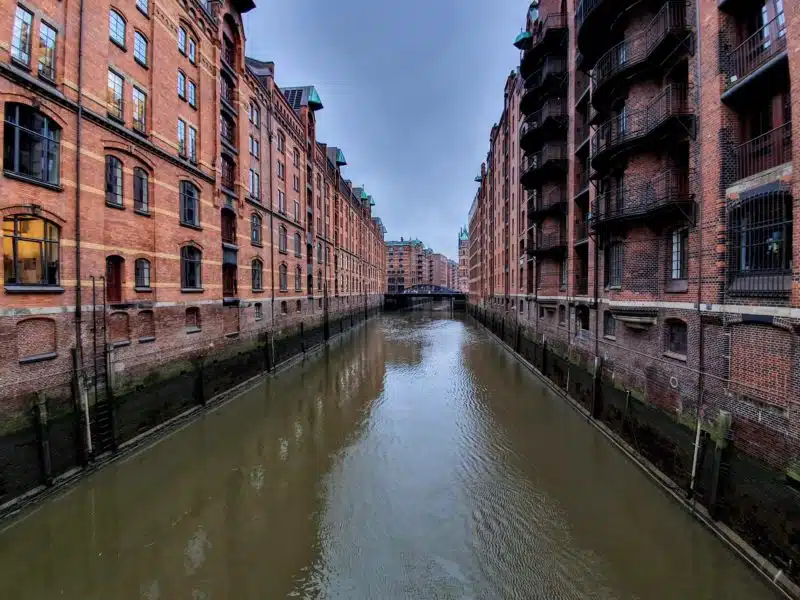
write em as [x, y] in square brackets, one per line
[414, 460]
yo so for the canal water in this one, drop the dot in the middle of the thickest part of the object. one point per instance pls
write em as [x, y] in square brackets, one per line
[415, 459]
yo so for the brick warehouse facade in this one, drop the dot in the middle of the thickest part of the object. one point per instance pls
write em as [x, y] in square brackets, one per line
[163, 196]
[636, 214]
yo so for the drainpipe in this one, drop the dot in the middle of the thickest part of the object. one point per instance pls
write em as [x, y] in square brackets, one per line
[699, 227]
[271, 211]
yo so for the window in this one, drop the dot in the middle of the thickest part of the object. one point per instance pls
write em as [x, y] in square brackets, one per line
[283, 281]
[21, 36]
[47, 52]
[562, 274]
[298, 305]
[679, 259]
[115, 98]
[31, 144]
[192, 319]
[761, 245]
[139, 110]
[259, 313]
[298, 279]
[116, 28]
[181, 40]
[181, 85]
[113, 181]
[562, 315]
[140, 190]
[140, 48]
[190, 268]
[541, 311]
[319, 252]
[192, 94]
[281, 141]
[281, 170]
[676, 342]
[319, 280]
[296, 183]
[142, 273]
[298, 245]
[254, 184]
[613, 264]
[254, 114]
[296, 211]
[296, 158]
[142, 6]
[281, 202]
[192, 51]
[254, 147]
[192, 144]
[282, 242]
[30, 251]
[582, 317]
[255, 229]
[609, 324]
[257, 270]
[181, 137]
[284, 309]
[190, 204]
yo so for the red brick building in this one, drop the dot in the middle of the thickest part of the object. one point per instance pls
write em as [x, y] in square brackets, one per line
[646, 215]
[161, 193]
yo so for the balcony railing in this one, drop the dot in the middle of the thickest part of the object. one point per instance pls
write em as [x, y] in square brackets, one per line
[764, 152]
[580, 230]
[555, 200]
[669, 188]
[228, 54]
[550, 153]
[630, 125]
[671, 18]
[759, 48]
[228, 175]
[553, 66]
[226, 90]
[547, 242]
[551, 23]
[581, 84]
[581, 180]
[554, 108]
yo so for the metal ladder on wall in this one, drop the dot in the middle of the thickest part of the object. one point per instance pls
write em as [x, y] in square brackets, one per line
[102, 426]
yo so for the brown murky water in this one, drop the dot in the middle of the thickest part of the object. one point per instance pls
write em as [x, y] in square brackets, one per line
[415, 460]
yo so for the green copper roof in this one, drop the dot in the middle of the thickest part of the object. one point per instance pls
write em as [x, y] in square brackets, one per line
[523, 39]
[371, 201]
[364, 195]
[478, 179]
[463, 235]
[340, 160]
[314, 101]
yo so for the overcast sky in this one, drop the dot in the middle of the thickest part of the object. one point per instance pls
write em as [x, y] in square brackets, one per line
[410, 89]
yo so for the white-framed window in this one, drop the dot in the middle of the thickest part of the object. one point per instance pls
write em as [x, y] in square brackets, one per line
[254, 184]
[181, 137]
[21, 36]
[281, 202]
[192, 144]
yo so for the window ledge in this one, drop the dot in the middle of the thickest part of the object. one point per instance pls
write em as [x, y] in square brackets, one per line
[258, 290]
[38, 358]
[143, 290]
[118, 45]
[50, 186]
[191, 226]
[121, 343]
[613, 288]
[21, 64]
[141, 64]
[675, 356]
[613, 338]
[192, 290]
[34, 289]
[232, 334]
[256, 244]
[283, 251]
[193, 330]
[143, 213]
[113, 205]
[147, 340]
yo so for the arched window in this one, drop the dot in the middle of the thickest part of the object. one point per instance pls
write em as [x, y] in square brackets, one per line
[31, 144]
[298, 245]
[255, 229]
[115, 272]
[30, 251]
[113, 180]
[190, 268]
[258, 272]
[282, 239]
[140, 191]
[283, 277]
[298, 279]
[140, 48]
[116, 28]
[319, 280]
[142, 273]
[190, 204]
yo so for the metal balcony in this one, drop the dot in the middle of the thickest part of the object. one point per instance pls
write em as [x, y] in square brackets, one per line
[764, 152]
[668, 115]
[592, 20]
[666, 36]
[549, 163]
[546, 123]
[659, 200]
[757, 58]
[549, 37]
[548, 81]
[554, 202]
[547, 244]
